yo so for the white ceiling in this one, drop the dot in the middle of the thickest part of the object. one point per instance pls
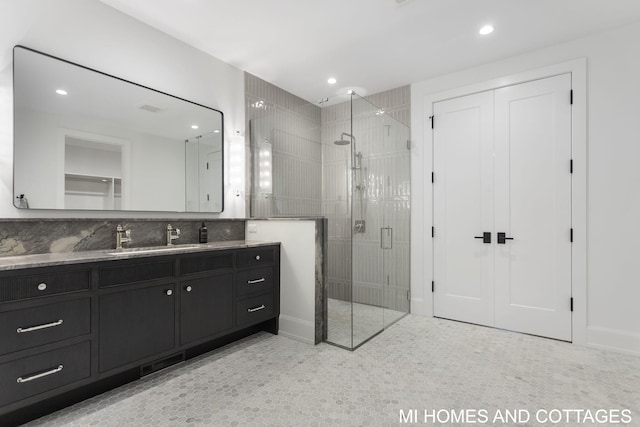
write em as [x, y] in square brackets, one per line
[371, 45]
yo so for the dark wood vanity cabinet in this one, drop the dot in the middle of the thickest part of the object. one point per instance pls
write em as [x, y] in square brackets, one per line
[206, 307]
[45, 333]
[66, 330]
[135, 324]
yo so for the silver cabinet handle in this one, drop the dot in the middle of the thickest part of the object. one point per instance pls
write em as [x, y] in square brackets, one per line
[37, 328]
[253, 282]
[188, 289]
[42, 286]
[251, 310]
[257, 257]
[44, 374]
[169, 292]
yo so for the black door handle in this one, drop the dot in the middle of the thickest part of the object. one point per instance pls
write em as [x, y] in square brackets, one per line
[486, 237]
[502, 238]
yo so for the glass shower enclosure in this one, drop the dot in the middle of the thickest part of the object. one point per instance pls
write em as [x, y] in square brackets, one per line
[366, 199]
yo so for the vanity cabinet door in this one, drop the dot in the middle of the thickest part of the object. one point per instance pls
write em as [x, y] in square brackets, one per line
[206, 307]
[135, 324]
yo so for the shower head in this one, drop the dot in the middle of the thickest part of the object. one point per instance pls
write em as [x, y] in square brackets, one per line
[343, 141]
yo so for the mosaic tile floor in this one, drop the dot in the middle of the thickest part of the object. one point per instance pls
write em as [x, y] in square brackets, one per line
[368, 320]
[418, 363]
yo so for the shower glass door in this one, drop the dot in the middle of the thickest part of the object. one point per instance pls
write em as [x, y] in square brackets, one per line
[380, 219]
[368, 271]
[366, 189]
[394, 154]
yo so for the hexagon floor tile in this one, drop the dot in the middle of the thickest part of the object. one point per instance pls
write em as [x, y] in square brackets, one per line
[441, 369]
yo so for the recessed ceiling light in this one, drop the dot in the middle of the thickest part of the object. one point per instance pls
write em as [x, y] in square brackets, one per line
[194, 126]
[487, 29]
[216, 131]
[332, 81]
[349, 92]
[61, 92]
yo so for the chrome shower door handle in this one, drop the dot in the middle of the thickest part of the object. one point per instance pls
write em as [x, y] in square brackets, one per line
[386, 238]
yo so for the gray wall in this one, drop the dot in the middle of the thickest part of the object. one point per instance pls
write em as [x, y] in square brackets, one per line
[291, 127]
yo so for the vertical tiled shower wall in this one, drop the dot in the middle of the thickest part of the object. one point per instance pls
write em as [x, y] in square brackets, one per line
[355, 265]
[285, 162]
[295, 169]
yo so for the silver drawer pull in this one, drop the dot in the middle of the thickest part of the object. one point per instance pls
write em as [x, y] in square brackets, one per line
[251, 310]
[44, 374]
[42, 286]
[169, 292]
[253, 282]
[188, 289]
[37, 328]
[257, 257]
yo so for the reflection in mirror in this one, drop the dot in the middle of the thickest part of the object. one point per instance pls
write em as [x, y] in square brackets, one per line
[87, 140]
[203, 161]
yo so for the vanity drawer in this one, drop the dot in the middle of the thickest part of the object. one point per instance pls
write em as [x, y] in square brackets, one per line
[207, 262]
[17, 287]
[31, 327]
[120, 273]
[36, 374]
[255, 309]
[259, 280]
[255, 257]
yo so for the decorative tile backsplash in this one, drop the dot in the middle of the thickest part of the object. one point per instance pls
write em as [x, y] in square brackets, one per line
[36, 236]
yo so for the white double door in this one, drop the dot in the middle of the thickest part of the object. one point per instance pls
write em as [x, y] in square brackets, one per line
[502, 165]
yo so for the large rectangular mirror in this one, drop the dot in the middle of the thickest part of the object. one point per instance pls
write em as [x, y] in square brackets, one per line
[86, 140]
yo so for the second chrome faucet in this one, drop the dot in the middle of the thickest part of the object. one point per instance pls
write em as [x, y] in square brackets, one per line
[172, 234]
[122, 236]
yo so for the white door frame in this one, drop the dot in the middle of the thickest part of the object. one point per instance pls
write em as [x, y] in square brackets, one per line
[422, 303]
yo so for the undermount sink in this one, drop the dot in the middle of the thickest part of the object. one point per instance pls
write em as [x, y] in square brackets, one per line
[129, 251]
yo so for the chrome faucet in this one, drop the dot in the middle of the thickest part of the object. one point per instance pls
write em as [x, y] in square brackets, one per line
[172, 234]
[122, 236]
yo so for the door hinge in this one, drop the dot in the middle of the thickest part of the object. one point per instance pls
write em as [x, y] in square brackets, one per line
[387, 280]
[571, 96]
[408, 295]
[433, 119]
[433, 286]
[207, 165]
[433, 177]
[433, 232]
[571, 303]
[571, 166]
[408, 144]
[571, 235]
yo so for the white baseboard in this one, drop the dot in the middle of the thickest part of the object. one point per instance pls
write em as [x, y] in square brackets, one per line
[613, 339]
[421, 307]
[297, 329]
